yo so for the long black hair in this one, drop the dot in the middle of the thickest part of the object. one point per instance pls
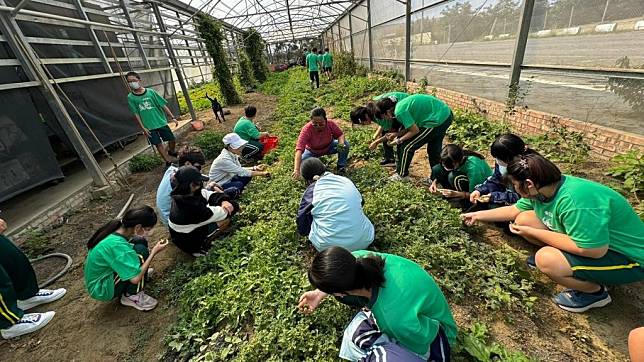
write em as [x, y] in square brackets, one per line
[453, 155]
[141, 215]
[358, 115]
[385, 104]
[541, 171]
[336, 270]
[508, 146]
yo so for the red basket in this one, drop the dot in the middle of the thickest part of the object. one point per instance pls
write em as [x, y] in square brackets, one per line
[269, 142]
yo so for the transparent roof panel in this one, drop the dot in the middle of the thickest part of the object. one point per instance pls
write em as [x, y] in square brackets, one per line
[276, 20]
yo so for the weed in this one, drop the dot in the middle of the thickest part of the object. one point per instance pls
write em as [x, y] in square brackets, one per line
[559, 144]
[35, 243]
[474, 131]
[145, 162]
[473, 343]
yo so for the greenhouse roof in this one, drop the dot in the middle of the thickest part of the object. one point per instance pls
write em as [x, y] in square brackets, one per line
[276, 20]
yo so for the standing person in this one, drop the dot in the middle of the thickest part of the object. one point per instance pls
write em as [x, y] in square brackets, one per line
[369, 113]
[494, 191]
[459, 172]
[118, 259]
[19, 292]
[590, 235]
[227, 171]
[148, 108]
[249, 131]
[330, 212]
[197, 214]
[425, 120]
[320, 137]
[327, 63]
[404, 299]
[217, 109]
[312, 63]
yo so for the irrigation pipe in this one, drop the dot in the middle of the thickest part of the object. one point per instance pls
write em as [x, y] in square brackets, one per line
[60, 273]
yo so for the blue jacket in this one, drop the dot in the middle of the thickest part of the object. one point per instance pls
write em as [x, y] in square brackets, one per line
[496, 187]
[304, 217]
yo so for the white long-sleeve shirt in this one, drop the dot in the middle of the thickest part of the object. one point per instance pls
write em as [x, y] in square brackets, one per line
[225, 167]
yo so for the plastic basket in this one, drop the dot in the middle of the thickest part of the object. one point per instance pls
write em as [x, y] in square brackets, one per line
[269, 142]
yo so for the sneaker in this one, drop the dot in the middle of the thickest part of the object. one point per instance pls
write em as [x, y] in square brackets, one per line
[577, 302]
[531, 261]
[43, 296]
[397, 178]
[30, 322]
[387, 163]
[140, 301]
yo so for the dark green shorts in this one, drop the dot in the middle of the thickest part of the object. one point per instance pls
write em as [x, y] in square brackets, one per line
[611, 269]
[161, 134]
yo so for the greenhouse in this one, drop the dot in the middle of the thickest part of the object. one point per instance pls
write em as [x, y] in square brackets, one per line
[322, 180]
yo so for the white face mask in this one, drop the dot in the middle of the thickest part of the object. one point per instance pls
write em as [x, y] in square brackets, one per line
[134, 85]
[503, 167]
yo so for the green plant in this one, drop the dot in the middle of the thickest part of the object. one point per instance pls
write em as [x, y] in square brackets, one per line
[559, 144]
[210, 30]
[246, 77]
[629, 167]
[145, 162]
[473, 344]
[255, 45]
[35, 243]
[422, 86]
[344, 64]
[210, 143]
[474, 131]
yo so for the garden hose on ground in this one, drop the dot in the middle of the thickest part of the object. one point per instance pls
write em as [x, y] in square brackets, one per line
[60, 273]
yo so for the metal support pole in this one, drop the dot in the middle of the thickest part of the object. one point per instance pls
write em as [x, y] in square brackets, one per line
[137, 39]
[369, 35]
[30, 64]
[20, 5]
[519, 49]
[605, 10]
[94, 38]
[407, 40]
[173, 58]
[351, 34]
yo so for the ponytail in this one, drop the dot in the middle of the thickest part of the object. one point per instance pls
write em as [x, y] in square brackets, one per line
[336, 270]
[370, 272]
[142, 215]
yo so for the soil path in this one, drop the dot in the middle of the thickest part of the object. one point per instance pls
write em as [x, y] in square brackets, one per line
[86, 330]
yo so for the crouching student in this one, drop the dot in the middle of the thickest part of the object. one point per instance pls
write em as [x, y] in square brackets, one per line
[330, 212]
[19, 292]
[249, 131]
[590, 234]
[407, 304]
[197, 215]
[118, 259]
[458, 172]
[494, 191]
[227, 171]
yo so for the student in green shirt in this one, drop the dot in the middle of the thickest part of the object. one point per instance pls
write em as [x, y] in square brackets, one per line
[590, 234]
[369, 113]
[248, 130]
[425, 120]
[327, 63]
[118, 259]
[312, 64]
[149, 108]
[404, 299]
[458, 173]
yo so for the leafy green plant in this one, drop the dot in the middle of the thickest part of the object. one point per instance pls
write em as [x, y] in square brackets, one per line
[255, 45]
[35, 243]
[246, 77]
[422, 86]
[210, 143]
[210, 30]
[474, 131]
[559, 144]
[145, 162]
[629, 167]
[344, 64]
[473, 344]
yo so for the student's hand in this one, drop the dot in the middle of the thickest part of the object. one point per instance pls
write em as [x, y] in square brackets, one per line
[521, 230]
[213, 186]
[160, 246]
[228, 207]
[470, 218]
[310, 300]
[260, 167]
[391, 136]
[484, 199]
[295, 175]
[433, 188]
[3, 226]
[474, 196]
[373, 145]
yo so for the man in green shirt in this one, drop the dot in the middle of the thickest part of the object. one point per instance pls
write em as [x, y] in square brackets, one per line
[327, 63]
[148, 108]
[312, 63]
[248, 130]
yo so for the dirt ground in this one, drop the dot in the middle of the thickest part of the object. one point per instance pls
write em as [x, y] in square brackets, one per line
[87, 330]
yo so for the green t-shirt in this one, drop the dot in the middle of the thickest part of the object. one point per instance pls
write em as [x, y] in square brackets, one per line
[312, 61]
[327, 60]
[423, 110]
[384, 123]
[149, 107]
[592, 215]
[114, 254]
[477, 171]
[410, 307]
[246, 129]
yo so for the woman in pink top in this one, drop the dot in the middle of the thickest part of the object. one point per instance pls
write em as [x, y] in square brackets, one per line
[320, 137]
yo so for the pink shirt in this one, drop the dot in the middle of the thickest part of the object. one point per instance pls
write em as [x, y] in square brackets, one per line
[316, 141]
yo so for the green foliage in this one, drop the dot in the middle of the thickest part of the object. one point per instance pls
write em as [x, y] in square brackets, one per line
[422, 86]
[35, 243]
[473, 343]
[274, 84]
[210, 143]
[210, 31]
[344, 64]
[559, 144]
[629, 167]
[145, 162]
[474, 131]
[246, 77]
[255, 45]
[631, 90]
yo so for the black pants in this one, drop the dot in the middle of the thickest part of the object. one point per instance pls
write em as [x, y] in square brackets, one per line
[432, 137]
[17, 282]
[387, 151]
[252, 151]
[315, 76]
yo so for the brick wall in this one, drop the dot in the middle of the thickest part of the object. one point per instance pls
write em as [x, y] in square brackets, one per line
[605, 142]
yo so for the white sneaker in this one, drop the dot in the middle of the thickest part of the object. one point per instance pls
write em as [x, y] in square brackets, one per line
[43, 296]
[397, 178]
[30, 322]
[140, 301]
